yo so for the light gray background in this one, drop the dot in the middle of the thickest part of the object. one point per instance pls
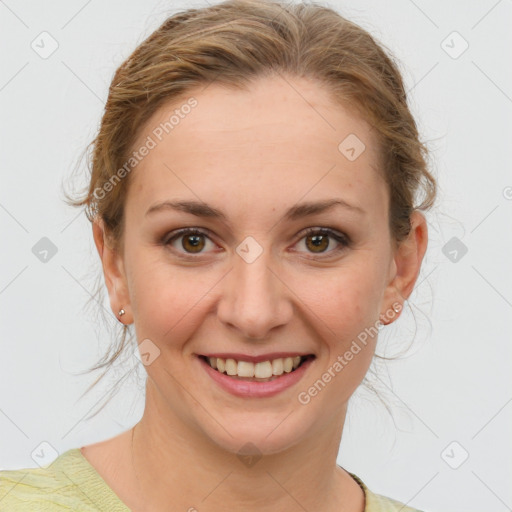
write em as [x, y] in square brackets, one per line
[454, 387]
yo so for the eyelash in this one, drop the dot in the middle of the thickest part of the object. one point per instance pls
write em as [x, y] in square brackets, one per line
[341, 238]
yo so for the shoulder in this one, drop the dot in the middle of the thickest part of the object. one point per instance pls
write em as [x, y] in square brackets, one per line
[21, 489]
[68, 483]
[380, 503]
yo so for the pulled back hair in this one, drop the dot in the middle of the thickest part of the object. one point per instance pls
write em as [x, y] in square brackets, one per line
[233, 43]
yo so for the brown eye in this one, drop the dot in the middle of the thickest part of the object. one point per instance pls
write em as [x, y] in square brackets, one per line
[193, 243]
[317, 243]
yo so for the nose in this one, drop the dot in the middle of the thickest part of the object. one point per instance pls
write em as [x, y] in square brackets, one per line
[255, 300]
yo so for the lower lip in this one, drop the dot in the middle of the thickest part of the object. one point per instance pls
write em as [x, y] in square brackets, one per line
[249, 389]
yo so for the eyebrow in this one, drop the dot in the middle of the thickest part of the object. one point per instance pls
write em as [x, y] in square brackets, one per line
[201, 209]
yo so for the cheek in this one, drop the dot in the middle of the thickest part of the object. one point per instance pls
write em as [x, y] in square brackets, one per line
[346, 300]
[344, 311]
[167, 301]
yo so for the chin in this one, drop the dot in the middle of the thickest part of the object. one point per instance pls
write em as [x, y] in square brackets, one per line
[250, 437]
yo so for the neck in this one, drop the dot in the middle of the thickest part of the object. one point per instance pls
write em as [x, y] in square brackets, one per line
[176, 463]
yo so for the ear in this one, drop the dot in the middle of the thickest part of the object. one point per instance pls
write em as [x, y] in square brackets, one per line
[113, 271]
[405, 268]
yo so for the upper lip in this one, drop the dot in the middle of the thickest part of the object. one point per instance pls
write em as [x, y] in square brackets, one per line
[256, 359]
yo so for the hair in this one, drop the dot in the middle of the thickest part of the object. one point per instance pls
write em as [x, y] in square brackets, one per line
[232, 44]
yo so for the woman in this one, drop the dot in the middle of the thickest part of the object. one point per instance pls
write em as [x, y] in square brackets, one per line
[253, 203]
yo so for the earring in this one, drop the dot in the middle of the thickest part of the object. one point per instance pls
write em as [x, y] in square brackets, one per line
[121, 312]
[396, 308]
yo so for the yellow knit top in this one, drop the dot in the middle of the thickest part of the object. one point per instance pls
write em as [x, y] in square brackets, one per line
[70, 482]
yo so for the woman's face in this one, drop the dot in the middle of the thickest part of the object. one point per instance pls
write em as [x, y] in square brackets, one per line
[254, 282]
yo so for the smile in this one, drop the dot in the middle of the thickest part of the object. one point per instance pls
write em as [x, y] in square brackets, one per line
[261, 379]
[262, 371]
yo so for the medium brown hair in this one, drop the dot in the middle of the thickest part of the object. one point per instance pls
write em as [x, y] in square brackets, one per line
[233, 43]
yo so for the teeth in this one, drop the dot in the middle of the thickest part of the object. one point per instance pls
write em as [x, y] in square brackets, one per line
[277, 367]
[231, 367]
[245, 369]
[261, 370]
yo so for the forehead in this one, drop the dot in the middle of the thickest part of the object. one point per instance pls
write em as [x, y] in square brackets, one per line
[278, 140]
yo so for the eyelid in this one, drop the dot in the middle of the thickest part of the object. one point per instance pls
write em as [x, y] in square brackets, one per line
[323, 230]
[185, 231]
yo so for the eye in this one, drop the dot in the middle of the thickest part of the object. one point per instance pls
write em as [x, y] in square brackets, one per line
[317, 240]
[193, 240]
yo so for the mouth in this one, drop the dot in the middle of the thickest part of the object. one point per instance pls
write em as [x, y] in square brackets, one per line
[262, 371]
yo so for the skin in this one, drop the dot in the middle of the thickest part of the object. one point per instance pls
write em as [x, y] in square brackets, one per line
[251, 154]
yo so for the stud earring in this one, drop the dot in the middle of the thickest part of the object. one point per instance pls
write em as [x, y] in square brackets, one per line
[121, 312]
